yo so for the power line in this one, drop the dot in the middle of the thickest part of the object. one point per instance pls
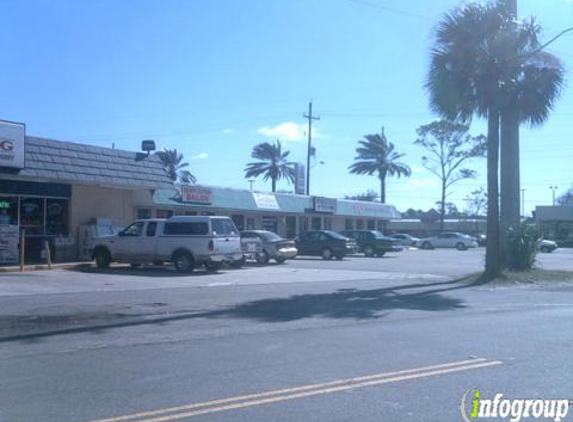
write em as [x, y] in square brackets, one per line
[390, 9]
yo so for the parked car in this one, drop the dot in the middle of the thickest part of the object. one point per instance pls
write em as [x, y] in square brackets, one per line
[405, 239]
[325, 243]
[251, 246]
[372, 242]
[481, 239]
[272, 246]
[186, 241]
[459, 241]
[547, 246]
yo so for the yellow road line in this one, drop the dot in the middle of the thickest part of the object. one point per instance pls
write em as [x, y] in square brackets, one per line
[303, 391]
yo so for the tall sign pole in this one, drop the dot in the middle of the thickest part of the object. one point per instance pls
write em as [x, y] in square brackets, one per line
[310, 118]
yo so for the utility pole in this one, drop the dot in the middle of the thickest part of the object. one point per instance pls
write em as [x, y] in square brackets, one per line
[523, 203]
[310, 118]
[553, 188]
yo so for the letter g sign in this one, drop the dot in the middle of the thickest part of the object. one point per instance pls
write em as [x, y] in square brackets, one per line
[6, 145]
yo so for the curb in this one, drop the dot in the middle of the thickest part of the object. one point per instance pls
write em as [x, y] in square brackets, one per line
[42, 267]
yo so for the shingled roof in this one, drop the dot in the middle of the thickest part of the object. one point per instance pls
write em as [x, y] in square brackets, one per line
[68, 162]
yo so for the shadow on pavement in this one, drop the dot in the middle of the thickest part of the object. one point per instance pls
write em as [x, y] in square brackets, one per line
[357, 304]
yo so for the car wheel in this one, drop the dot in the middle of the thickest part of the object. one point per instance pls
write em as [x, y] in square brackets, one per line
[102, 259]
[213, 267]
[339, 257]
[369, 251]
[326, 253]
[426, 245]
[545, 249]
[280, 260]
[238, 263]
[184, 262]
[380, 254]
[262, 258]
[460, 246]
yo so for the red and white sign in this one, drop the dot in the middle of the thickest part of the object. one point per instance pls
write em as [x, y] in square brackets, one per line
[12, 144]
[195, 194]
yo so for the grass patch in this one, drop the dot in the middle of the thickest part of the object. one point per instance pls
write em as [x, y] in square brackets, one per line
[533, 276]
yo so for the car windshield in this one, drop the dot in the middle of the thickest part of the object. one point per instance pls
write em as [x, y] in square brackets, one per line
[271, 237]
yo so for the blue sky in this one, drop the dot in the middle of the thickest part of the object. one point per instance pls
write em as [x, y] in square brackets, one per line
[213, 78]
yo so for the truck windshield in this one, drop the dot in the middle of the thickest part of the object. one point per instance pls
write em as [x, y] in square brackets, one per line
[223, 227]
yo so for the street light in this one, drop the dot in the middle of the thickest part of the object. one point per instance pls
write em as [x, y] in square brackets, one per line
[553, 188]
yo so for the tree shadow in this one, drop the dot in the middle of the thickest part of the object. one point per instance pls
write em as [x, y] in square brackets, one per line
[356, 304]
[346, 303]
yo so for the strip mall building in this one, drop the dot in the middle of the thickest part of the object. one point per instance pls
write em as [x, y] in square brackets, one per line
[49, 189]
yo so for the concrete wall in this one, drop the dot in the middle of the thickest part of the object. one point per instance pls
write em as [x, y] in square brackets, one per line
[89, 202]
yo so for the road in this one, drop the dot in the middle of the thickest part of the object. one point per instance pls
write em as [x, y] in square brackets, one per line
[394, 338]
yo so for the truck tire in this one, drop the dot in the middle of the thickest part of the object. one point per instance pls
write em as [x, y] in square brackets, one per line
[184, 262]
[326, 254]
[262, 258]
[102, 258]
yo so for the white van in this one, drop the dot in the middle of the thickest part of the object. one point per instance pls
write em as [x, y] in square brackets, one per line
[186, 241]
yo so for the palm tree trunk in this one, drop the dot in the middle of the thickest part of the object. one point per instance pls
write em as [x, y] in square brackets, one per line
[443, 206]
[274, 184]
[383, 188]
[509, 174]
[492, 254]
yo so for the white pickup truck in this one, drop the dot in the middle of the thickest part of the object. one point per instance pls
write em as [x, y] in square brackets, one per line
[186, 241]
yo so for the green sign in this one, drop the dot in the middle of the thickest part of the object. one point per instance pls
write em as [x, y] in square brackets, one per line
[4, 204]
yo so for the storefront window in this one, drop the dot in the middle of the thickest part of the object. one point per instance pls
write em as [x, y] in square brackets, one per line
[8, 211]
[250, 223]
[290, 227]
[303, 224]
[271, 224]
[349, 224]
[327, 223]
[143, 213]
[316, 223]
[57, 212]
[239, 221]
[359, 224]
[164, 213]
[32, 216]
[371, 225]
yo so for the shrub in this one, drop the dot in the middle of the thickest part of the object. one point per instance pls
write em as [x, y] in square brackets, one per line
[521, 247]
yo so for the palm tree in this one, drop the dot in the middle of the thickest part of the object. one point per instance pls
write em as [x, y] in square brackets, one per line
[464, 79]
[473, 71]
[376, 155]
[173, 163]
[534, 80]
[272, 164]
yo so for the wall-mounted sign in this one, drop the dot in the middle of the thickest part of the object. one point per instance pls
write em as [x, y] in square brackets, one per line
[324, 205]
[300, 179]
[195, 194]
[266, 201]
[12, 144]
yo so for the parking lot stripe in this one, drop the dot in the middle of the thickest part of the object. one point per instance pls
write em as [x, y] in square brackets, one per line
[267, 397]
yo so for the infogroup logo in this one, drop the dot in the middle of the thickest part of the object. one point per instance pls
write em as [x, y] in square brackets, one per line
[474, 407]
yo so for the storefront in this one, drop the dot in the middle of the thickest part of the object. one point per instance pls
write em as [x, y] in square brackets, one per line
[285, 214]
[49, 189]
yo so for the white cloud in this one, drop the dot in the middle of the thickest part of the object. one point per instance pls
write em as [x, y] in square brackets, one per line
[288, 131]
[422, 183]
[201, 156]
[227, 131]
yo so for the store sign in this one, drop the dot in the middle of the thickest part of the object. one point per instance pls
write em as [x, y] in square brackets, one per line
[324, 205]
[265, 201]
[300, 179]
[195, 194]
[12, 144]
